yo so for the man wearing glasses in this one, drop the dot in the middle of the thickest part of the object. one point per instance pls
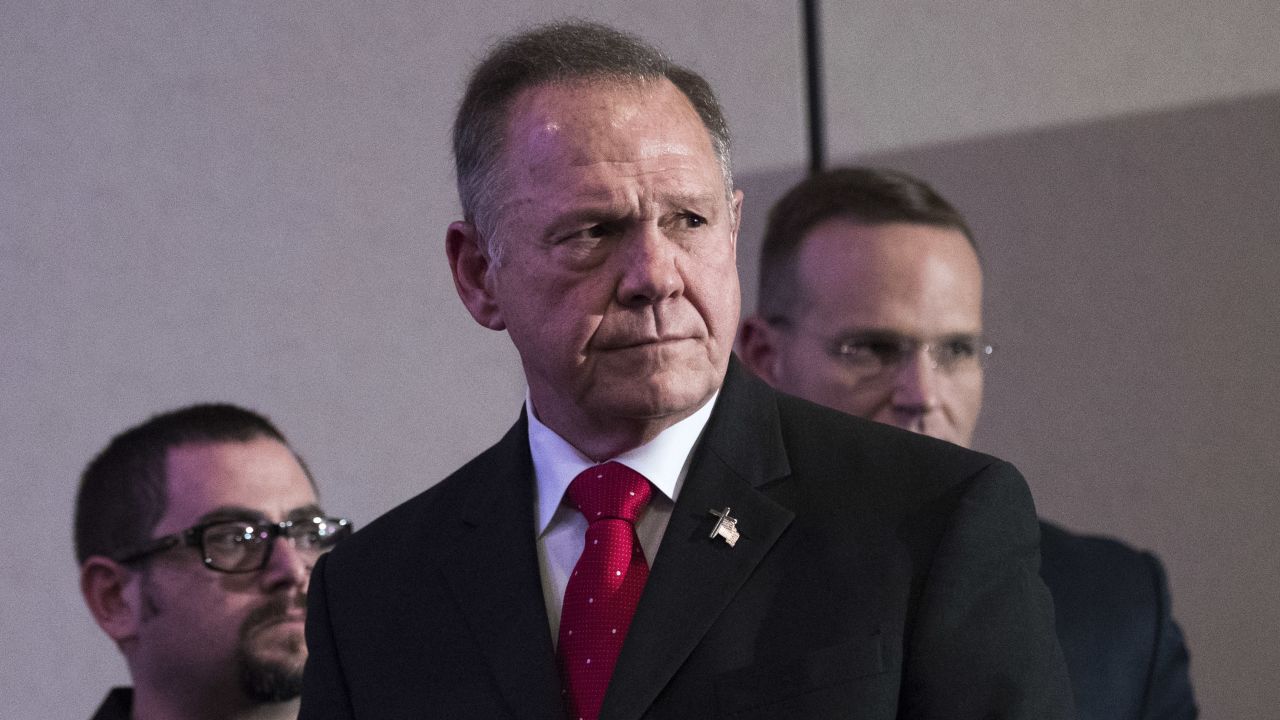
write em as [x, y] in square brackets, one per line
[871, 303]
[196, 532]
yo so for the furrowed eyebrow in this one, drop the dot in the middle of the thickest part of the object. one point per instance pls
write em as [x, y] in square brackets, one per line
[585, 216]
[304, 512]
[707, 203]
[881, 335]
[870, 334]
[694, 197]
[232, 512]
[960, 337]
[603, 208]
[240, 513]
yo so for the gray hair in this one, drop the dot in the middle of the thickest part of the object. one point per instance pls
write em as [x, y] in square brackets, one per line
[557, 53]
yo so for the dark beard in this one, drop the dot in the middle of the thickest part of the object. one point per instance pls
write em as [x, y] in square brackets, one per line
[268, 681]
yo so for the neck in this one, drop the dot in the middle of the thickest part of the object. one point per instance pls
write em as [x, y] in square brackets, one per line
[151, 703]
[600, 441]
[600, 444]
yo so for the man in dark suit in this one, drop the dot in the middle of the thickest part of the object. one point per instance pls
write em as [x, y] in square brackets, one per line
[660, 535]
[871, 303]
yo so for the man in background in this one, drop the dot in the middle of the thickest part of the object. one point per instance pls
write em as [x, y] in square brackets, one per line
[871, 303]
[660, 535]
[196, 532]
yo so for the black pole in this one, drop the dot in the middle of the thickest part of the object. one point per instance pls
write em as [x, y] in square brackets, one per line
[813, 75]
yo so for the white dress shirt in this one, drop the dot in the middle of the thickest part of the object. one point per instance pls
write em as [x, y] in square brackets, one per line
[562, 530]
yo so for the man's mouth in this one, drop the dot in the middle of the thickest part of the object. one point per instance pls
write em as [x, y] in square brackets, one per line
[275, 614]
[640, 343]
[279, 621]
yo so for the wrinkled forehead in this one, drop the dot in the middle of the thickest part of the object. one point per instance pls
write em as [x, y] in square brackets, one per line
[582, 121]
[260, 476]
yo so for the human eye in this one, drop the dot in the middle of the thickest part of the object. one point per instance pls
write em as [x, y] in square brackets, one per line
[684, 220]
[316, 533]
[693, 220]
[308, 533]
[590, 233]
[868, 351]
[229, 537]
[956, 351]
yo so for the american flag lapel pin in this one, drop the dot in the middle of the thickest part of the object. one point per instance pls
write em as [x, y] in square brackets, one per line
[726, 526]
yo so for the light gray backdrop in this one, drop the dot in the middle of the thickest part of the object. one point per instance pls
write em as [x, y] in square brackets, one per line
[246, 202]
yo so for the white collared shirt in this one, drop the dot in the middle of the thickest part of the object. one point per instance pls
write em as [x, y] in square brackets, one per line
[562, 530]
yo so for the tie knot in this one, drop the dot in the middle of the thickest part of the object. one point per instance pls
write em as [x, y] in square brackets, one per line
[611, 490]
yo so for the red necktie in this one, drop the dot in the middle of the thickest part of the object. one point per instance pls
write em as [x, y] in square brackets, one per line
[605, 586]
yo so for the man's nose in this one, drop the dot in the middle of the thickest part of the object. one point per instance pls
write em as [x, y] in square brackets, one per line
[287, 567]
[916, 382]
[650, 273]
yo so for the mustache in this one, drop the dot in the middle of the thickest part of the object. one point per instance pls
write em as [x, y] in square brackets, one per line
[275, 610]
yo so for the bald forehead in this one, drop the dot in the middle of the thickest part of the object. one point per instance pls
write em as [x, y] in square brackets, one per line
[260, 473]
[905, 274]
[588, 110]
[566, 142]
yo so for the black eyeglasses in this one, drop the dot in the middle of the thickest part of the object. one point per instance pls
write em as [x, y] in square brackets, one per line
[241, 546]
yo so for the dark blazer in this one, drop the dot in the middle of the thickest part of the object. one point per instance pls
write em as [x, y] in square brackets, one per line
[117, 705]
[1125, 655]
[879, 574]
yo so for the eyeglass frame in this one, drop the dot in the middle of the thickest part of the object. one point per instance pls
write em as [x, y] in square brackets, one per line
[905, 346]
[194, 537]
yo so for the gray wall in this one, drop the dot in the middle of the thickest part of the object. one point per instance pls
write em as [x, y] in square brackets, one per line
[246, 202]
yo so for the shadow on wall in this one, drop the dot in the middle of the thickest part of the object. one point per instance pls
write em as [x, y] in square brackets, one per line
[760, 190]
[1133, 292]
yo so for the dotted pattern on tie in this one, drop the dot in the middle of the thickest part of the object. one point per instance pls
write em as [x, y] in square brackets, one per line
[605, 586]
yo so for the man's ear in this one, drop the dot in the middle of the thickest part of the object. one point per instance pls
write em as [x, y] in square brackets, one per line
[469, 261]
[105, 585]
[758, 348]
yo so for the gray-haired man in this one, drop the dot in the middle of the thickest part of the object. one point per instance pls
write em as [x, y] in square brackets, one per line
[660, 535]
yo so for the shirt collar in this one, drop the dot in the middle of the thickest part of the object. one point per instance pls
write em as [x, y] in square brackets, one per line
[664, 460]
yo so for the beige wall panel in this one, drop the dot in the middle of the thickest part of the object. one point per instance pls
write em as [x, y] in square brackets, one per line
[1132, 294]
[906, 73]
[1119, 161]
[246, 201]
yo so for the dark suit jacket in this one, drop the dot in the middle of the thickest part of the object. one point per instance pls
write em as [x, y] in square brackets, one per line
[879, 574]
[1125, 655]
[118, 705]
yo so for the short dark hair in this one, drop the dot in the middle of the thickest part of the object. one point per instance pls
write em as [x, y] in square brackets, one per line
[560, 52]
[123, 491]
[866, 195]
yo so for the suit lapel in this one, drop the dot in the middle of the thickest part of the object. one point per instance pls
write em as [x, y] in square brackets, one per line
[694, 576]
[492, 569]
